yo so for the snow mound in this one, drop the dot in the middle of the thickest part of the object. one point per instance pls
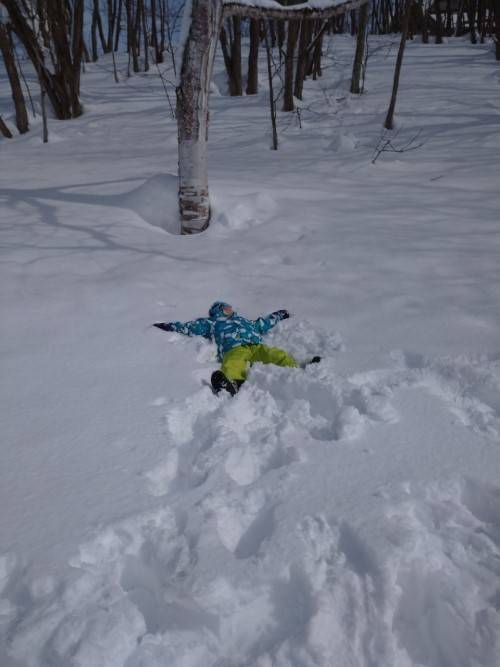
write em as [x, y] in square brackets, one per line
[341, 142]
[156, 202]
[243, 211]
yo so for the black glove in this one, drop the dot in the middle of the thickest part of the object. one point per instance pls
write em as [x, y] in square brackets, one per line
[283, 314]
[164, 326]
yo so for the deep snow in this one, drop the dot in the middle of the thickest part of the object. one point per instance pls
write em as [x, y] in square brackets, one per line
[348, 514]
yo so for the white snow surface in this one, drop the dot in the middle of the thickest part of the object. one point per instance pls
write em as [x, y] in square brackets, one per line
[347, 514]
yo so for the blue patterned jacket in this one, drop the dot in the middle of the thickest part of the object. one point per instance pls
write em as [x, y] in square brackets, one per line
[228, 332]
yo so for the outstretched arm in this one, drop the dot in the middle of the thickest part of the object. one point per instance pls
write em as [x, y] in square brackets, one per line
[264, 324]
[199, 327]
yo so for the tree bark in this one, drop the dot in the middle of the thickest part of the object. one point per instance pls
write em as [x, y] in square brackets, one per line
[118, 24]
[4, 129]
[272, 104]
[15, 84]
[97, 27]
[496, 6]
[316, 58]
[228, 61]
[471, 15]
[389, 120]
[193, 89]
[63, 86]
[425, 27]
[439, 27]
[154, 34]
[360, 51]
[145, 35]
[111, 25]
[302, 57]
[253, 59]
[192, 114]
[131, 36]
[293, 29]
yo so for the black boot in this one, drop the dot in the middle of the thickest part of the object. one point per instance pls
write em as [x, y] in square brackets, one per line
[314, 360]
[220, 382]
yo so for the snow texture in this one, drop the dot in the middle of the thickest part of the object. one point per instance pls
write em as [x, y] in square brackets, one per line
[347, 514]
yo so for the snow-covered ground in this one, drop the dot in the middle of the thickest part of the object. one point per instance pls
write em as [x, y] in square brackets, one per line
[348, 514]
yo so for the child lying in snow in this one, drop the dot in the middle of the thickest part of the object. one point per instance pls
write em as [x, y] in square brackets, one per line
[239, 342]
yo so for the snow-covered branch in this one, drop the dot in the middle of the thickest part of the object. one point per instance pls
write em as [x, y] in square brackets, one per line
[314, 9]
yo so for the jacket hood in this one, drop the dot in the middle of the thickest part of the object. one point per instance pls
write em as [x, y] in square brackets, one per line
[217, 310]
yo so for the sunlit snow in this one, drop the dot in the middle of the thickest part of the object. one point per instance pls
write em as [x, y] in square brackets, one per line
[347, 514]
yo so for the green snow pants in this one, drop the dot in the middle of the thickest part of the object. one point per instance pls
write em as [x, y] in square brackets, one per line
[236, 361]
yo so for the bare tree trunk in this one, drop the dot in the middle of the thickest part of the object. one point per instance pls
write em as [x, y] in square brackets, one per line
[4, 129]
[45, 127]
[481, 7]
[389, 120]
[145, 35]
[236, 56]
[77, 55]
[449, 18]
[165, 17]
[228, 62]
[154, 34]
[301, 69]
[118, 24]
[97, 26]
[193, 90]
[111, 25]
[137, 26]
[61, 30]
[496, 5]
[272, 104]
[471, 15]
[7, 51]
[131, 36]
[439, 26]
[360, 50]
[316, 60]
[93, 37]
[253, 59]
[293, 29]
[425, 26]
[192, 114]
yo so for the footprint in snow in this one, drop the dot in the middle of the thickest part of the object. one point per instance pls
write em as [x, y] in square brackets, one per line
[469, 386]
[270, 424]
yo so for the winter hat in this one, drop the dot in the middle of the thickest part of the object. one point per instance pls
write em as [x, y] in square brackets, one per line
[217, 309]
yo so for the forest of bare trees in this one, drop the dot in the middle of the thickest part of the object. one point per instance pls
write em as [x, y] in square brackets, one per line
[59, 36]
[56, 38]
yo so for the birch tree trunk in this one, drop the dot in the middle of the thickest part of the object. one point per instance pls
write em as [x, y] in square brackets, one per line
[192, 114]
[205, 24]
